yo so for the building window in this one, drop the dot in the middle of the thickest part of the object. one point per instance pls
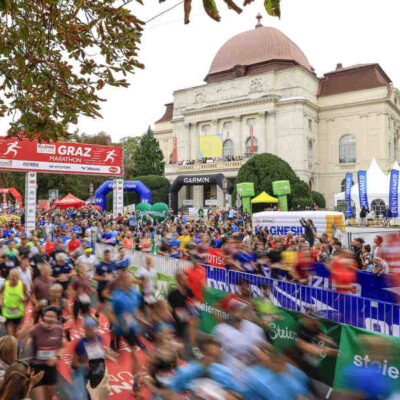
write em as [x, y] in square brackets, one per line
[378, 205]
[310, 153]
[347, 149]
[310, 124]
[205, 129]
[251, 146]
[228, 149]
[251, 122]
[227, 126]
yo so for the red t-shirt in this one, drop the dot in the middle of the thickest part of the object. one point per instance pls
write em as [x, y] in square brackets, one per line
[49, 247]
[73, 245]
[196, 280]
[342, 276]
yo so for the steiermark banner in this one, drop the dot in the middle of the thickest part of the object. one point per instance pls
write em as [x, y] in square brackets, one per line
[354, 353]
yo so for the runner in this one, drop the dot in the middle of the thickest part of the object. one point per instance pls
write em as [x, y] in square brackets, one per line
[103, 275]
[46, 340]
[13, 297]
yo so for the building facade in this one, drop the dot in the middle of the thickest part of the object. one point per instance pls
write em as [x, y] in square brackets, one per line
[262, 96]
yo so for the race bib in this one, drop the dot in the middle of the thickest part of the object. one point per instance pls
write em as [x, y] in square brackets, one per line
[46, 354]
[94, 350]
[84, 299]
[13, 310]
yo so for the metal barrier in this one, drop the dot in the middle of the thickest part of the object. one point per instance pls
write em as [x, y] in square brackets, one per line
[377, 316]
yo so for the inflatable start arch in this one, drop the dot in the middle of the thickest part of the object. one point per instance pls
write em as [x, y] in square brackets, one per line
[15, 193]
[129, 186]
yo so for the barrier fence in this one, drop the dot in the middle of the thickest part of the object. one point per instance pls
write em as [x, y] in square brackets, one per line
[361, 312]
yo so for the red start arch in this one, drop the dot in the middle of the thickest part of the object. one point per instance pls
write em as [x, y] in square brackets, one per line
[15, 193]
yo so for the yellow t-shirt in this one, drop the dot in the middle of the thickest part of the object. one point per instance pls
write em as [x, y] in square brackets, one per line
[289, 259]
[184, 240]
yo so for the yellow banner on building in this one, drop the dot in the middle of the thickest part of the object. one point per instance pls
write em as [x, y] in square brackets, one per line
[210, 146]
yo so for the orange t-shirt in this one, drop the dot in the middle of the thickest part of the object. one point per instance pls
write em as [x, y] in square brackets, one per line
[342, 276]
[196, 280]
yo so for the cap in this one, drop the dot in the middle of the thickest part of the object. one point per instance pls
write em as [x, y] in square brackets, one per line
[88, 250]
[361, 240]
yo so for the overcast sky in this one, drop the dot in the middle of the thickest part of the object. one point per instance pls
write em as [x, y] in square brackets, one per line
[177, 56]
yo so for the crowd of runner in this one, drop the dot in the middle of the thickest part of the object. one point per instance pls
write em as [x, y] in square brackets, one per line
[52, 283]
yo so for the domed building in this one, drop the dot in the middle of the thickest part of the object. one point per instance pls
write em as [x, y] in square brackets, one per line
[262, 95]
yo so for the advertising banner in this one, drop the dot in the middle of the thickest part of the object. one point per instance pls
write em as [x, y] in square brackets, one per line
[58, 157]
[210, 146]
[394, 192]
[347, 193]
[118, 197]
[30, 200]
[215, 258]
[362, 188]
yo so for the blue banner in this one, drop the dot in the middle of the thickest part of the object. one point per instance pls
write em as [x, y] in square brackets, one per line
[394, 192]
[347, 193]
[362, 189]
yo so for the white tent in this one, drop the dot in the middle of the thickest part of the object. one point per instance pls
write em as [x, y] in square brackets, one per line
[377, 186]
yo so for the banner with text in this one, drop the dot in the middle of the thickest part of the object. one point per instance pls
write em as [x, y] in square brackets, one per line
[347, 193]
[394, 192]
[362, 189]
[58, 157]
[30, 200]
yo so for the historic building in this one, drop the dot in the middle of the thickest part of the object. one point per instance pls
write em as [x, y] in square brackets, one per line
[262, 95]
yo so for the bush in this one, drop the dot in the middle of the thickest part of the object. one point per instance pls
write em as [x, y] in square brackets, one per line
[266, 168]
[318, 199]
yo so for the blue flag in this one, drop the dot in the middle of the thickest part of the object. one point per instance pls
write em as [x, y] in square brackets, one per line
[394, 192]
[347, 193]
[362, 189]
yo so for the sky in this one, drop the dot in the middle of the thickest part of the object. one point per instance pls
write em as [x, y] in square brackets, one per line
[178, 56]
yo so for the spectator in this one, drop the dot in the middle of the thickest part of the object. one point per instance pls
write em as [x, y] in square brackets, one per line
[357, 245]
[363, 215]
[387, 216]
[381, 266]
[366, 258]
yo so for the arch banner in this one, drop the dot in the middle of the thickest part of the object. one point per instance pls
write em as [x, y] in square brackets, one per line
[193, 180]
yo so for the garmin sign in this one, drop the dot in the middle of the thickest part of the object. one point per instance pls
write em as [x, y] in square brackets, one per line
[215, 179]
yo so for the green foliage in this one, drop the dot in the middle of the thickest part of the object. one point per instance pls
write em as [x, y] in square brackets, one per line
[57, 55]
[318, 199]
[129, 144]
[265, 168]
[148, 158]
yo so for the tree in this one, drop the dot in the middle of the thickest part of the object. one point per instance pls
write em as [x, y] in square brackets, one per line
[266, 168]
[148, 159]
[55, 57]
[129, 144]
[318, 199]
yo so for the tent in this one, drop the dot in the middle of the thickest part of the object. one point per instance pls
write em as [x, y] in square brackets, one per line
[377, 186]
[264, 198]
[69, 201]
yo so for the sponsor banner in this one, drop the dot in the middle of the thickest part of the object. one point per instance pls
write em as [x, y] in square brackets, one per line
[53, 157]
[215, 258]
[210, 146]
[362, 189]
[30, 200]
[347, 193]
[118, 197]
[355, 355]
[394, 192]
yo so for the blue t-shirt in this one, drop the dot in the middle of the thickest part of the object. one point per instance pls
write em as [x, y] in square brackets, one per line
[122, 263]
[132, 220]
[125, 304]
[80, 348]
[61, 269]
[102, 269]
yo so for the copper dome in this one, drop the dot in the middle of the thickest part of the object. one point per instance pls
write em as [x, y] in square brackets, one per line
[258, 46]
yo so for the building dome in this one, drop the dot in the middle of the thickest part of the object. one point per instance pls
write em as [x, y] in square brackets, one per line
[258, 47]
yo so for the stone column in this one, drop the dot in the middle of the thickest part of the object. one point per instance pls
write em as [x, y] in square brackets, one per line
[220, 197]
[261, 133]
[271, 133]
[198, 196]
[237, 135]
[189, 141]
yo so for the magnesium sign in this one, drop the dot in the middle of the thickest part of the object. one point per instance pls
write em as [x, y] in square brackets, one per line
[59, 157]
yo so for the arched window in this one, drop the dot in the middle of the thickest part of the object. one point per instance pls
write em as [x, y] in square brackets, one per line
[378, 205]
[250, 145]
[228, 149]
[205, 129]
[347, 149]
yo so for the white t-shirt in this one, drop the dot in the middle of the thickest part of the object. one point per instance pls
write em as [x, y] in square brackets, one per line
[26, 277]
[149, 275]
[89, 263]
